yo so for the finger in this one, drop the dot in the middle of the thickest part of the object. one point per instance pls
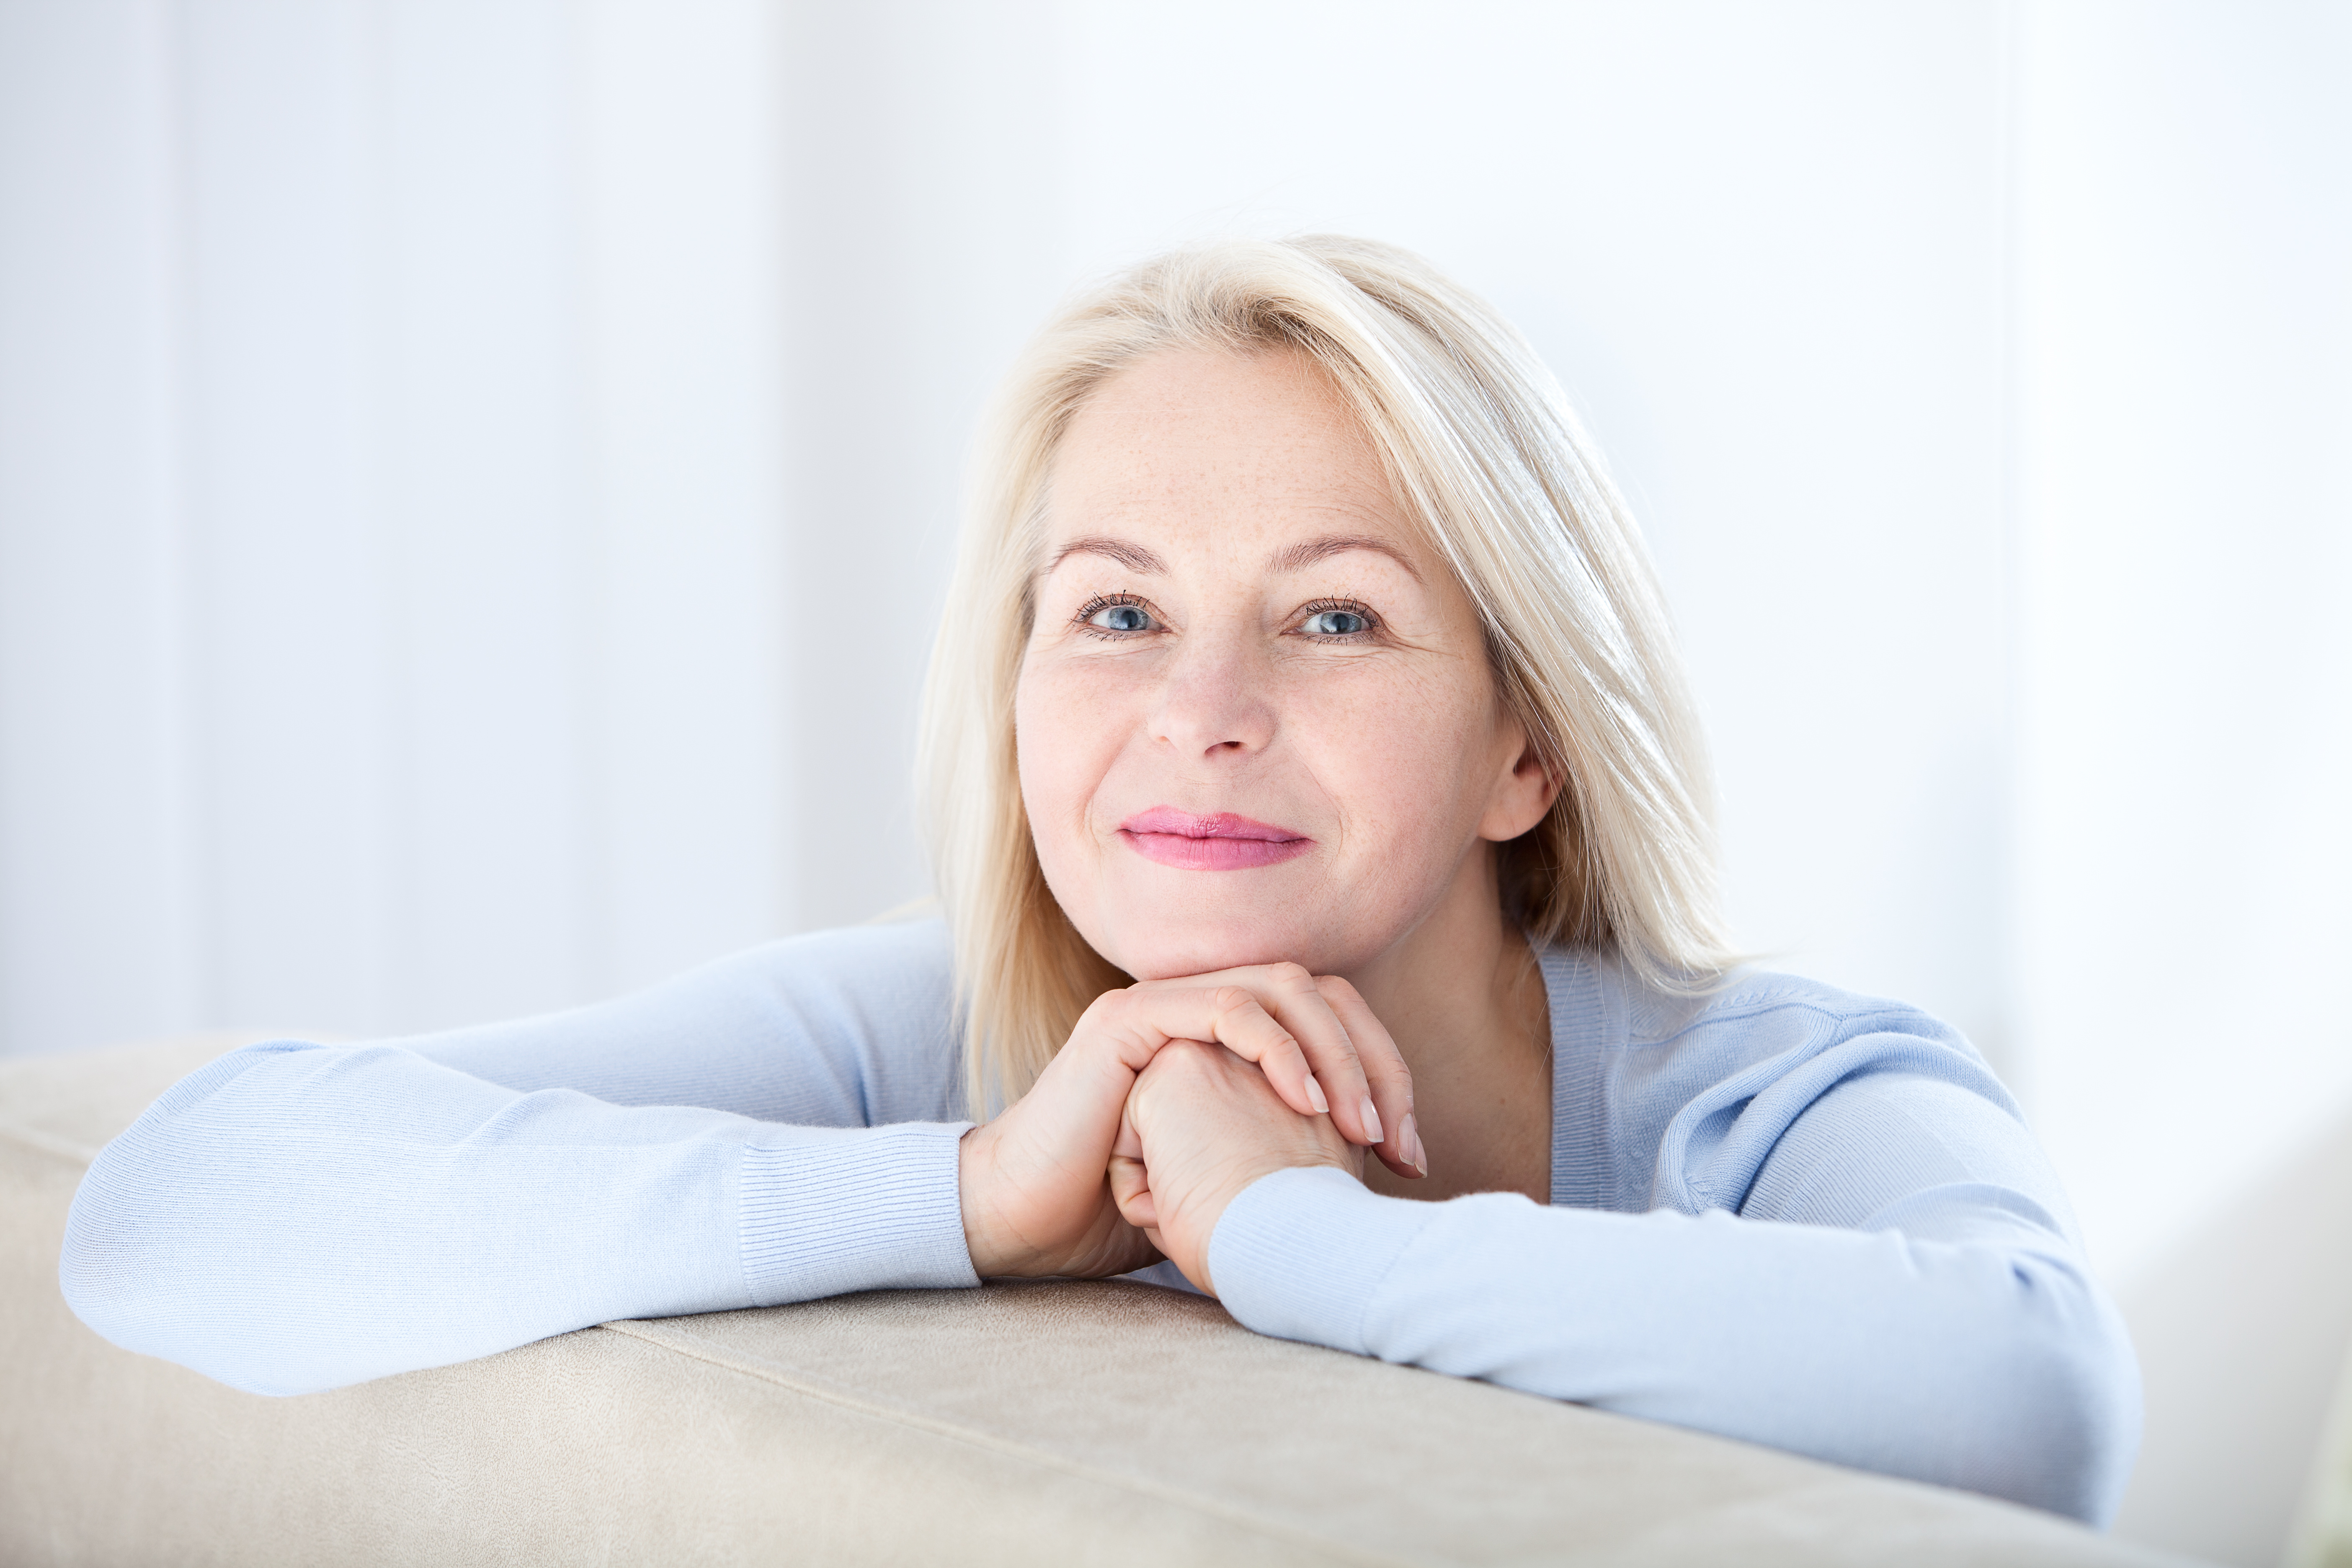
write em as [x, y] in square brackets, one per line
[1335, 1080]
[1130, 1183]
[1228, 1014]
[1130, 1189]
[1244, 1025]
[1075, 1109]
[1390, 1080]
[1129, 1142]
[1298, 1002]
[1072, 1113]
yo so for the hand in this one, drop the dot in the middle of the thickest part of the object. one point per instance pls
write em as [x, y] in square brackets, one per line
[1035, 1201]
[1201, 1125]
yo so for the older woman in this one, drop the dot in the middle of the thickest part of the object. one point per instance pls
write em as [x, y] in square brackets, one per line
[1312, 775]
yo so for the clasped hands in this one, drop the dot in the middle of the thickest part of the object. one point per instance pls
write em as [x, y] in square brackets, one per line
[1168, 1098]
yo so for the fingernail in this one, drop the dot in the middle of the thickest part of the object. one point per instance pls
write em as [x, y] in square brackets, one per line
[1412, 1150]
[1315, 1097]
[1371, 1121]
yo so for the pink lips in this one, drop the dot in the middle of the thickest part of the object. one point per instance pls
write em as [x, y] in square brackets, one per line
[1222, 842]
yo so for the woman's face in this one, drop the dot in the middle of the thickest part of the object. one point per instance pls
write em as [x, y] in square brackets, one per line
[1255, 718]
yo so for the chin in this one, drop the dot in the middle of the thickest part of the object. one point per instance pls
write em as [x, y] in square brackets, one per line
[1167, 949]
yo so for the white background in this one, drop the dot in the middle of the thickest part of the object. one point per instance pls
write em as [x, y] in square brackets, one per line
[476, 481]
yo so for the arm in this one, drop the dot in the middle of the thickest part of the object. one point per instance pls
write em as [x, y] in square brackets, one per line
[1921, 1317]
[294, 1217]
[840, 1028]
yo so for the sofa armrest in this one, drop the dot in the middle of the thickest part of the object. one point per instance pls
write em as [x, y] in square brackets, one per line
[1019, 1424]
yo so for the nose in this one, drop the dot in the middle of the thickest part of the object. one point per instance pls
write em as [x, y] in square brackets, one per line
[1214, 702]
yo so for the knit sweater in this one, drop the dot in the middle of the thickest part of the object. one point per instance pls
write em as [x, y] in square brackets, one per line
[1780, 1213]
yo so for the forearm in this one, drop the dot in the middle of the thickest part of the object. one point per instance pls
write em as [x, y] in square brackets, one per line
[1985, 1361]
[296, 1218]
[838, 1029]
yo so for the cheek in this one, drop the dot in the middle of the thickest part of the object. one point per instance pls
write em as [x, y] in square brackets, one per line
[1067, 735]
[1405, 757]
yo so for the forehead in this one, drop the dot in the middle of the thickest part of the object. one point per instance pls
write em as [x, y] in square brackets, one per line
[1201, 446]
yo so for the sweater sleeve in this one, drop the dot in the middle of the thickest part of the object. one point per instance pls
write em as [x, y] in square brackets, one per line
[1896, 1297]
[294, 1217]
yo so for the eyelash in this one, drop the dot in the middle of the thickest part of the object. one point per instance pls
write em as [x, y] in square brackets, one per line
[1349, 606]
[1094, 606]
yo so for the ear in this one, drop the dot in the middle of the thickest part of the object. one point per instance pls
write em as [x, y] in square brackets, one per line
[1522, 794]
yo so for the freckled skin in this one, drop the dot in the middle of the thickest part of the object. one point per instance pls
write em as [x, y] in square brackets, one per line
[1213, 465]
[1387, 745]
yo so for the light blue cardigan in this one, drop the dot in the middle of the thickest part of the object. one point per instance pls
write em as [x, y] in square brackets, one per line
[1781, 1213]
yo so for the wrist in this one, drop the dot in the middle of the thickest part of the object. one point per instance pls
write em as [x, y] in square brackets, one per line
[1302, 1255]
[1213, 1200]
[982, 1236]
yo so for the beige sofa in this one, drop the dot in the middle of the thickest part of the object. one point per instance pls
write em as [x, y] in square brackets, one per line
[1019, 1424]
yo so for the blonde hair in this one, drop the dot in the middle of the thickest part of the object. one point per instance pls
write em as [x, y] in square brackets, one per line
[1482, 448]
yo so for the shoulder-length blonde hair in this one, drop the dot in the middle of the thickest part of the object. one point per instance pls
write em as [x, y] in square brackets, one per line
[1482, 448]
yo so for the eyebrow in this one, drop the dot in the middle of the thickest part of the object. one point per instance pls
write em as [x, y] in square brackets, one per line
[1134, 557]
[1307, 552]
[1291, 558]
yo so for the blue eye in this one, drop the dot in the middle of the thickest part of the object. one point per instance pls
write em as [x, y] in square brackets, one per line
[1336, 624]
[1120, 618]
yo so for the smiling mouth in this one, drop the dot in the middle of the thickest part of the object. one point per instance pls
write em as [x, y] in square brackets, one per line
[1221, 842]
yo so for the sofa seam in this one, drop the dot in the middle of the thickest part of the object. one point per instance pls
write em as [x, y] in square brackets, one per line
[939, 1427]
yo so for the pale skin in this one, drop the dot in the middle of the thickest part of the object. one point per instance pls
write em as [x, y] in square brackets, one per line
[1234, 614]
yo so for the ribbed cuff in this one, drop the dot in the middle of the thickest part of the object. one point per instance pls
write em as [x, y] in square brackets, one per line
[1300, 1254]
[866, 1208]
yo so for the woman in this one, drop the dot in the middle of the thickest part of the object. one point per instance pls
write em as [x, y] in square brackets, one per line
[1312, 775]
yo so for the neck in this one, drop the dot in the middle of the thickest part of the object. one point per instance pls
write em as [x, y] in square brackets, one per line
[1465, 1000]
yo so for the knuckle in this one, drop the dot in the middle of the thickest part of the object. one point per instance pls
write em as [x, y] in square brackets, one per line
[1188, 1055]
[1290, 975]
[1231, 998]
[1333, 985]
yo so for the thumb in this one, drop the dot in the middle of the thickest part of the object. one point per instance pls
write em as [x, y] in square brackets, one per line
[1131, 1182]
[1129, 1142]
